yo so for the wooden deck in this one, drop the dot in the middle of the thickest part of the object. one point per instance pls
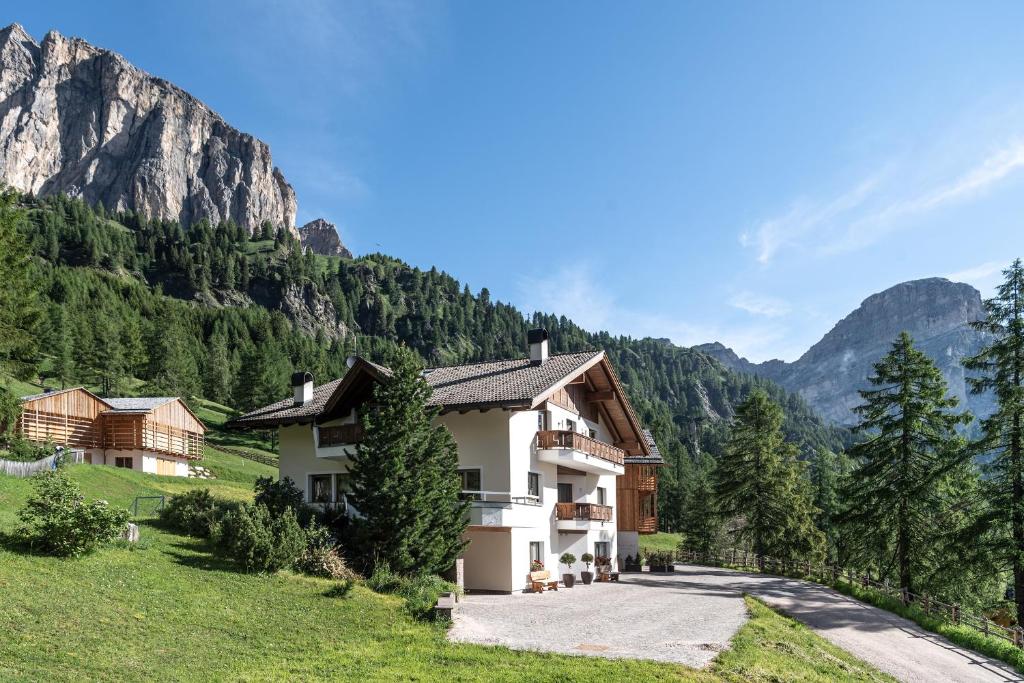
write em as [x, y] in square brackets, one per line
[581, 443]
[585, 511]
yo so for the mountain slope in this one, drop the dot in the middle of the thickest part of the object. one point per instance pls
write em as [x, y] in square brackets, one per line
[80, 120]
[936, 313]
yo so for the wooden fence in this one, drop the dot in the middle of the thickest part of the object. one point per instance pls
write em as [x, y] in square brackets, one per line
[20, 468]
[821, 572]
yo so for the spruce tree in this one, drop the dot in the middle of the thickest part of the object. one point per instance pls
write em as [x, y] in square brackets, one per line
[20, 310]
[759, 481]
[699, 522]
[217, 370]
[909, 447]
[404, 479]
[1000, 526]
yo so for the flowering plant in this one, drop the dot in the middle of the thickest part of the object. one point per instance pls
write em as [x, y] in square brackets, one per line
[536, 566]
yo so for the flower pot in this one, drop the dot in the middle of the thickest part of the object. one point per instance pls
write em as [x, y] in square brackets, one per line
[588, 577]
[569, 580]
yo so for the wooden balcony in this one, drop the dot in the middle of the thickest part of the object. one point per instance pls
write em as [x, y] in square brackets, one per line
[578, 442]
[340, 435]
[584, 511]
[647, 525]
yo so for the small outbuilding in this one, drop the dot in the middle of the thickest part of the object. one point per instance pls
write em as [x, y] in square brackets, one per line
[158, 435]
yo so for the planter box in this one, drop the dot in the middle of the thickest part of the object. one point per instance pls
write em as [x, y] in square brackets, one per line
[633, 568]
[663, 568]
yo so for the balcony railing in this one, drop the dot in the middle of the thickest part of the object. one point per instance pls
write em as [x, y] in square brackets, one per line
[647, 525]
[343, 434]
[498, 497]
[581, 443]
[586, 511]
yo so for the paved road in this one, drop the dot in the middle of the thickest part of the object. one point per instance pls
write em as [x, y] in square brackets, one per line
[689, 616]
[893, 644]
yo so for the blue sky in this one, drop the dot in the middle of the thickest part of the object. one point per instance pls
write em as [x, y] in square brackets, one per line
[741, 172]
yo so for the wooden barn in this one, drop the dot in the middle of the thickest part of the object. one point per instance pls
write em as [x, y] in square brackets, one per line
[157, 435]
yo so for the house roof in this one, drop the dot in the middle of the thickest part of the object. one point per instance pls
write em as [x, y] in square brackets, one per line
[56, 392]
[653, 459]
[142, 404]
[518, 383]
[505, 382]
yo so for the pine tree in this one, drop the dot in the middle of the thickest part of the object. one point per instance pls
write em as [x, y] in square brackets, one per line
[20, 310]
[699, 521]
[404, 479]
[173, 369]
[217, 370]
[759, 481]
[909, 448]
[1000, 527]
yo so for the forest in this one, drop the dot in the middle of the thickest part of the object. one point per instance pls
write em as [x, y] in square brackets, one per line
[131, 305]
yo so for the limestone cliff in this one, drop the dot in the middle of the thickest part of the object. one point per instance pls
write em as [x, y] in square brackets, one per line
[81, 120]
[936, 313]
[322, 237]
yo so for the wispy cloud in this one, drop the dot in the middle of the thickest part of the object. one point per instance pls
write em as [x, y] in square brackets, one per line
[759, 304]
[984, 276]
[874, 207]
[577, 292]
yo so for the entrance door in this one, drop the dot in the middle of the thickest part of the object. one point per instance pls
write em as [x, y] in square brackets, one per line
[565, 493]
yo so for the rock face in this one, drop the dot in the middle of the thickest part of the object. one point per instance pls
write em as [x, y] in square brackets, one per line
[80, 120]
[936, 313]
[322, 238]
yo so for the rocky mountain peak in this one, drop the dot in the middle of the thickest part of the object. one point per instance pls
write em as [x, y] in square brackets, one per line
[83, 121]
[936, 312]
[321, 236]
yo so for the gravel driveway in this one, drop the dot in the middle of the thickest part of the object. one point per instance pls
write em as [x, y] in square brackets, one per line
[688, 616]
[644, 616]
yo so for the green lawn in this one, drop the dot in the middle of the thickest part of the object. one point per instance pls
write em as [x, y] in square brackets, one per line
[659, 542]
[168, 610]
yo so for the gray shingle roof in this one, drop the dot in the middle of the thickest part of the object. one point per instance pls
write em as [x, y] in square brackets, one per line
[142, 404]
[286, 410]
[494, 383]
[53, 392]
[503, 382]
[653, 459]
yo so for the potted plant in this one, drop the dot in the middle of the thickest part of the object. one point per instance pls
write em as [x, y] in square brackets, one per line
[569, 579]
[536, 566]
[603, 565]
[661, 562]
[587, 576]
[634, 564]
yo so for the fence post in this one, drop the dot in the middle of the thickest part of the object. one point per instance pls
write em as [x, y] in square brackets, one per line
[984, 624]
[904, 596]
[956, 613]
[927, 604]
[734, 556]
[1016, 636]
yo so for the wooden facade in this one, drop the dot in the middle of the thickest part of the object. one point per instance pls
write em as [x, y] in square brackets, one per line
[76, 418]
[636, 496]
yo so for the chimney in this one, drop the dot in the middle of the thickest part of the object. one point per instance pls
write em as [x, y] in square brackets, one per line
[538, 340]
[302, 385]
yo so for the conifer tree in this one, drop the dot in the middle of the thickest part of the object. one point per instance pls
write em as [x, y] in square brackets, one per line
[699, 522]
[910, 446]
[759, 481]
[404, 479]
[1000, 526]
[217, 370]
[20, 310]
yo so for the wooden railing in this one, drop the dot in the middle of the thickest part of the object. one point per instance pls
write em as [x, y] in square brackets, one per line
[588, 511]
[646, 479]
[340, 435]
[581, 443]
[65, 430]
[647, 525]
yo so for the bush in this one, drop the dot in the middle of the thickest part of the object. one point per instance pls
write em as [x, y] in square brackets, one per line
[23, 450]
[258, 542]
[321, 557]
[57, 520]
[278, 496]
[420, 592]
[195, 513]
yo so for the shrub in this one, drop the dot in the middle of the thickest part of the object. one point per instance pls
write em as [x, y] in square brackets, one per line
[420, 592]
[195, 512]
[278, 496]
[23, 450]
[568, 559]
[57, 520]
[321, 557]
[259, 542]
[587, 558]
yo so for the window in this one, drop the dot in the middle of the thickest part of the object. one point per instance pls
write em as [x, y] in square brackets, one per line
[602, 549]
[542, 420]
[565, 493]
[320, 488]
[570, 425]
[537, 551]
[470, 482]
[593, 433]
[127, 463]
[533, 484]
[602, 495]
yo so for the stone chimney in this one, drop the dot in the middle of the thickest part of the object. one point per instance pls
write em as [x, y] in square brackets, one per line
[302, 385]
[538, 340]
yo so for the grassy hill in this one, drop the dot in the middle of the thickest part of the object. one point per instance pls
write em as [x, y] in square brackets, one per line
[167, 609]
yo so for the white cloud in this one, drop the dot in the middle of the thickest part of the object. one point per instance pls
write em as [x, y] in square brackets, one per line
[759, 304]
[576, 292]
[864, 214]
